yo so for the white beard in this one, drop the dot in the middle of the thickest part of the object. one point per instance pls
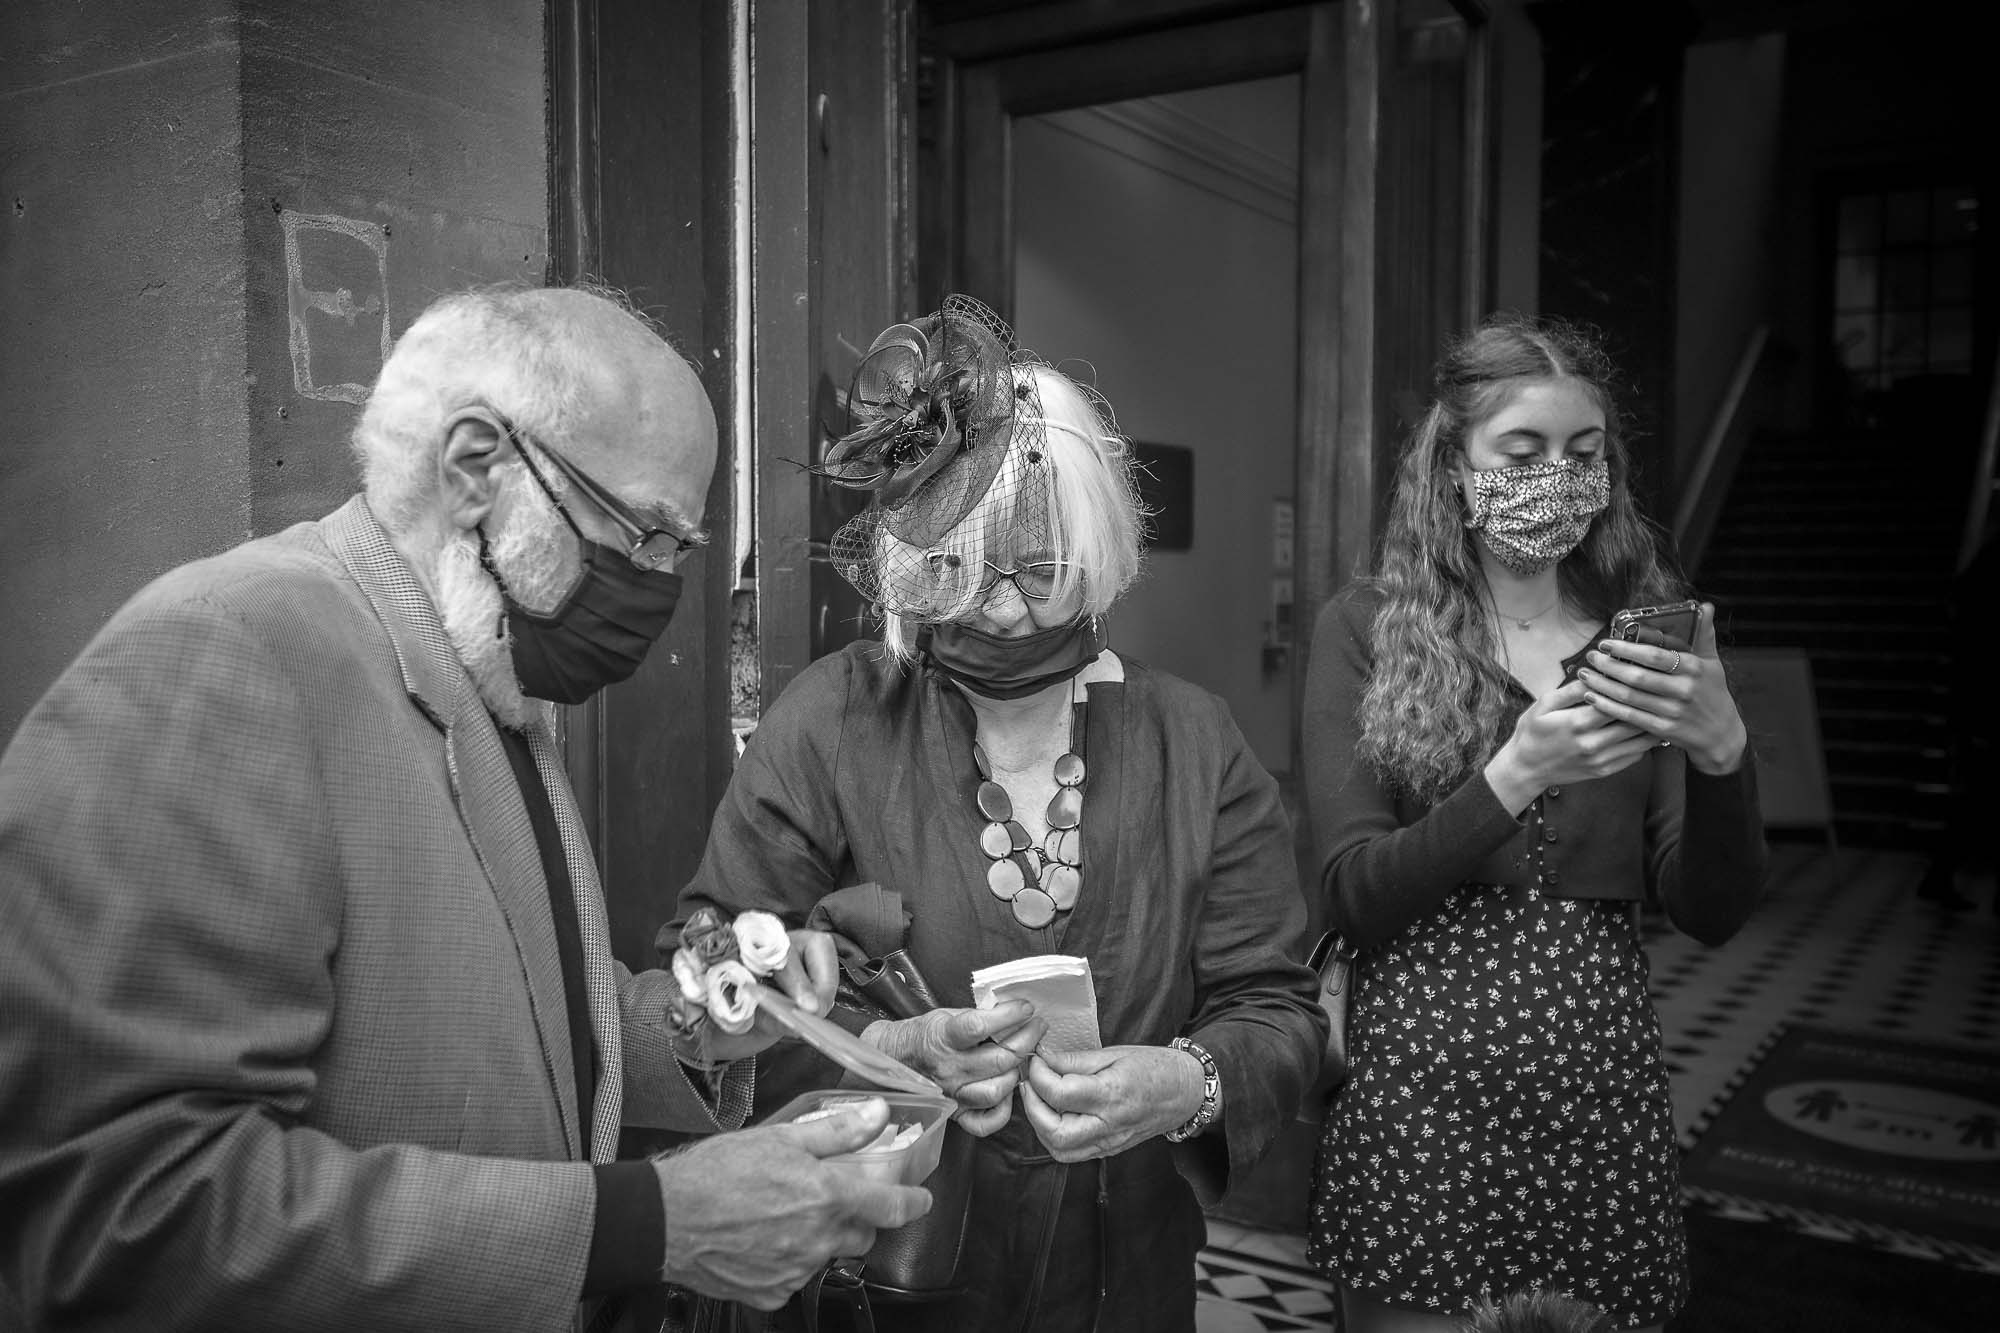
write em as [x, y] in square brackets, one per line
[475, 620]
[534, 551]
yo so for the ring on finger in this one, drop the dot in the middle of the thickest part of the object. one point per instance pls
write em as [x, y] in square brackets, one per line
[1676, 666]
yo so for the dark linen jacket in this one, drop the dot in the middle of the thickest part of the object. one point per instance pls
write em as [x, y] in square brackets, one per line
[1190, 911]
[1661, 828]
[284, 1039]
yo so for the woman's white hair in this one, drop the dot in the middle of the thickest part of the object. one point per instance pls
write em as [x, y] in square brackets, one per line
[1097, 520]
[510, 349]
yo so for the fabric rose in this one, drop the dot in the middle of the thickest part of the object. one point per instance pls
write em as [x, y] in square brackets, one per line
[762, 942]
[708, 937]
[688, 972]
[732, 1004]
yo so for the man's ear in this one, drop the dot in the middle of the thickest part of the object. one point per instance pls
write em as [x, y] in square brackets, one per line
[474, 445]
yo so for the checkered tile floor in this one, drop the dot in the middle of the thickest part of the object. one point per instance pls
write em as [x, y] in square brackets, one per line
[1838, 942]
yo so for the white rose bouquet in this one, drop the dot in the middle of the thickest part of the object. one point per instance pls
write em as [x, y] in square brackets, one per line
[719, 961]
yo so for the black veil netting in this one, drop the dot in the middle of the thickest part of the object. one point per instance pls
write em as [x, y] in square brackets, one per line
[945, 427]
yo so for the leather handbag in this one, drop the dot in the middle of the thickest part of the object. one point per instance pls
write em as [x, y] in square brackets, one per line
[1332, 959]
[917, 1262]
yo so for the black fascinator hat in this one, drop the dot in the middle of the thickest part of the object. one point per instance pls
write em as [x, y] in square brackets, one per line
[945, 428]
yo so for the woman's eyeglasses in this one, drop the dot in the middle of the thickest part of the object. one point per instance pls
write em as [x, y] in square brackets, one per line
[1037, 580]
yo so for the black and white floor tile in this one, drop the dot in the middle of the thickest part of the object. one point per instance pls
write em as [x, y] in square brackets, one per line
[1840, 941]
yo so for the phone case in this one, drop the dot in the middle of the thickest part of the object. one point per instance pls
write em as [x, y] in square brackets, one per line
[1676, 620]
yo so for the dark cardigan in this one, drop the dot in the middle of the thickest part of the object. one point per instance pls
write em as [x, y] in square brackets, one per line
[1661, 828]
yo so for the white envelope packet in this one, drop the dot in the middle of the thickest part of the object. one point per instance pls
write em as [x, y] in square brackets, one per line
[1059, 987]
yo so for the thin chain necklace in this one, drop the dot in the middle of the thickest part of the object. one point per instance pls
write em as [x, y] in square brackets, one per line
[1037, 882]
[1529, 622]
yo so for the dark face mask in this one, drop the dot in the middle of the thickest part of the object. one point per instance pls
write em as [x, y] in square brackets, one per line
[1002, 668]
[600, 631]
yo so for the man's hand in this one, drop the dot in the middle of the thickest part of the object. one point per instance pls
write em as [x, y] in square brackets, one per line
[810, 976]
[1085, 1104]
[752, 1215]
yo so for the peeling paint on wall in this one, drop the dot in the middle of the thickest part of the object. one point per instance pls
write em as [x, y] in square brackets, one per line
[337, 293]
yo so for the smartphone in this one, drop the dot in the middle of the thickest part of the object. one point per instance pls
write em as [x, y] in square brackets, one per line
[1676, 620]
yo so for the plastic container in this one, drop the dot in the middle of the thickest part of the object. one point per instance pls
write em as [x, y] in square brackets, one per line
[907, 1165]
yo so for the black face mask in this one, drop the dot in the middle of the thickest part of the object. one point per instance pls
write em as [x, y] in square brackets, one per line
[600, 631]
[1002, 668]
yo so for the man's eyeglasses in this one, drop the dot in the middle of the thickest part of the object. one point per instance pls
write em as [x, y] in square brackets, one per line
[653, 547]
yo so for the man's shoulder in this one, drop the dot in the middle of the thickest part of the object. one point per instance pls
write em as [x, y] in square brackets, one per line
[287, 587]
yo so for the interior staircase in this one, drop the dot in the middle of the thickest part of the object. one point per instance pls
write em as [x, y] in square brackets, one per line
[1842, 544]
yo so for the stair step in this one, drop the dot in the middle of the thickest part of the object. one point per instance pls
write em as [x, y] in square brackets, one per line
[1833, 668]
[1911, 700]
[1833, 472]
[1881, 761]
[1787, 521]
[1902, 832]
[1758, 545]
[1876, 501]
[1816, 639]
[1815, 577]
[1859, 726]
[1921, 608]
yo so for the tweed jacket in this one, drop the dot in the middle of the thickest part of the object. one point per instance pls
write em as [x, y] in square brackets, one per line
[283, 1041]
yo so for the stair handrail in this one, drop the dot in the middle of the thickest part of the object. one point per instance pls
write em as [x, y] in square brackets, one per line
[1983, 480]
[1701, 498]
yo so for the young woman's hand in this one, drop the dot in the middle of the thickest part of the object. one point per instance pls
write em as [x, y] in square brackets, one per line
[1674, 693]
[974, 1054]
[1560, 738]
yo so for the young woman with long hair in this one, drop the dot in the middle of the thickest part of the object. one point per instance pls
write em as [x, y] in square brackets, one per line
[1486, 826]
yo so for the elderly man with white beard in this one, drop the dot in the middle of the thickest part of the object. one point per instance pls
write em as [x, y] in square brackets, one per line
[310, 1015]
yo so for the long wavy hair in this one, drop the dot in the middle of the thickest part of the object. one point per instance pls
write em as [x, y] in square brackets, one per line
[1436, 702]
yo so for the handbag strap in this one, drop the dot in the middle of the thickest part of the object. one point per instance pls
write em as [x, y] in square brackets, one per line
[839, 1281]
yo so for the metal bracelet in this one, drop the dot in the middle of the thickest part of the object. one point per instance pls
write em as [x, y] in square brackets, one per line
[1211, 1092]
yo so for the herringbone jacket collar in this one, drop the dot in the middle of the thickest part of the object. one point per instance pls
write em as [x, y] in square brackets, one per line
[496, 819]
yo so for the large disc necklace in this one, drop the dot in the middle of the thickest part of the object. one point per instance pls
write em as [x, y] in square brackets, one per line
[1037, 882]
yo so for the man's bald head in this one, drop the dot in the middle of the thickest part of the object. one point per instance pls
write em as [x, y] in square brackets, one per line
[574, 368]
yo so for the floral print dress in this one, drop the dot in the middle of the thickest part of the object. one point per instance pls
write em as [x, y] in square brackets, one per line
[1506, 1120]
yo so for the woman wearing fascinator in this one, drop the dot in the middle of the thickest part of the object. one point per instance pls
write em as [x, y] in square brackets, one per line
[1026, 790]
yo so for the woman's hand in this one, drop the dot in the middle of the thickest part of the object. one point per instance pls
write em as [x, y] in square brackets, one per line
[1561, 738]
[1675, 694]
[811, 975]
[974, 1054]
[1085, 1104]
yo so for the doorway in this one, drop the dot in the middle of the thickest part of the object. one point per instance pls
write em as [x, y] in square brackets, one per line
[1156, 260]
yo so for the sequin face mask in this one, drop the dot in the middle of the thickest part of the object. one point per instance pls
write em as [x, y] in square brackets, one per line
[1535, 515]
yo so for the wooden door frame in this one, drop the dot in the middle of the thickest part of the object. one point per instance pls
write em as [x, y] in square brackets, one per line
[648, 81]
[789, 132]
[981, 83]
